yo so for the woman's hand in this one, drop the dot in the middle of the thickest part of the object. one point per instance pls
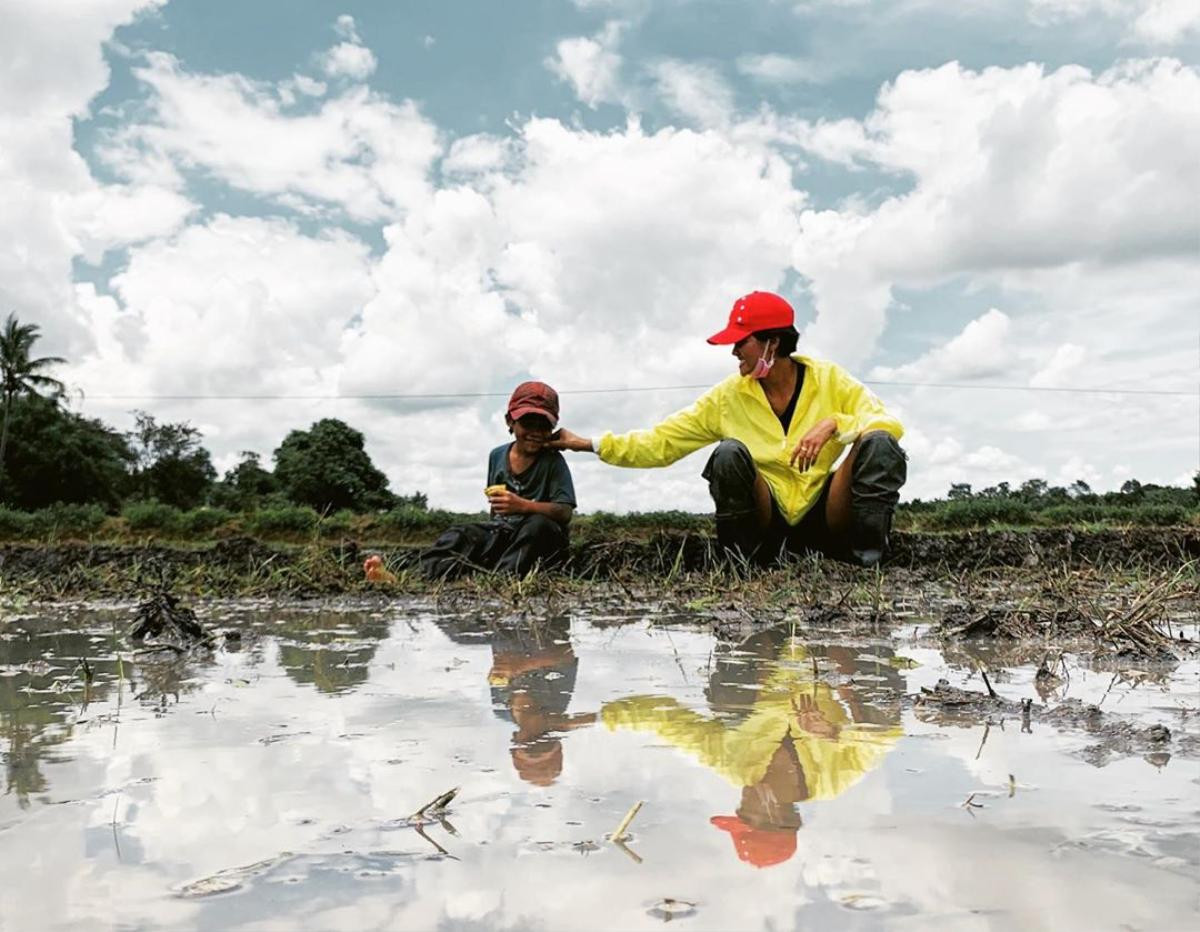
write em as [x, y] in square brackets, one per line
[508, 503]
[812, 719]
[563, 439]
[810, 445]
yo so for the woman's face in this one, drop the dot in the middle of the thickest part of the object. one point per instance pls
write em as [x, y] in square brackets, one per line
[748, 352]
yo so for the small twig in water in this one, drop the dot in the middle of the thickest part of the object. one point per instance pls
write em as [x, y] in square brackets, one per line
[116, 839]
[637, 858]
[437, 804]
[987, 727]
[619, 834]
[442, 851]
[987, 683]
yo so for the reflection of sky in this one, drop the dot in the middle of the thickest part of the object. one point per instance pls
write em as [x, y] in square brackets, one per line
[252, 764]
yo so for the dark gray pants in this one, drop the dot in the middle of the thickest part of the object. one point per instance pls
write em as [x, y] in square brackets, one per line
[510, 545]
[879, 470]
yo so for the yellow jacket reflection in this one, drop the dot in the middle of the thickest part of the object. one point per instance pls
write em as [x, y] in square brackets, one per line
[833, 750]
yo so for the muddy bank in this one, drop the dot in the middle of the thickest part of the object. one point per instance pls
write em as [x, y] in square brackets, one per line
[250, 567]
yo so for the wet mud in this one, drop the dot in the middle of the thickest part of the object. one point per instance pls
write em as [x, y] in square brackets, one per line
[245, 566]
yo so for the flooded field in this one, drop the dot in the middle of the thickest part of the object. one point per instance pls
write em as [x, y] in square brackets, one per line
[789, 777]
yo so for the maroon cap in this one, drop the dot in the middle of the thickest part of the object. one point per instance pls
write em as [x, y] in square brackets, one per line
[534, 398]
[759, 310]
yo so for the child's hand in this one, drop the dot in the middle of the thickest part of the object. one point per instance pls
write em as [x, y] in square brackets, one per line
[508, 503]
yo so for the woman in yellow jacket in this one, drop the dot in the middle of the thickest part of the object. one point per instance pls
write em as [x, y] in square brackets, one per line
[780, 423]
[799, 739]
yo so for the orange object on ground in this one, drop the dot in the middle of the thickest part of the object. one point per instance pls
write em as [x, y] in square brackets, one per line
[376, 571]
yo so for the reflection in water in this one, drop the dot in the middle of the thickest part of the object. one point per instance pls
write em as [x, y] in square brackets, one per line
[51, 679]
[791, 723]
[42, 692]
[278, 780]
[324, 651]
[532, 680]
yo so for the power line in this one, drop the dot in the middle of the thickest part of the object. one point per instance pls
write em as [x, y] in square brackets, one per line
[442, 396]
[1041, 388]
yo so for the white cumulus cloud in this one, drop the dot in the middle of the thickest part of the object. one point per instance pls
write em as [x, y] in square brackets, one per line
[1010, 168]
[601, 259]
[51, 66]
[695, 91]
[357, 152]
[980, 351]
[1153, 22]
[348, 60]
[773, 68]
[591, 66]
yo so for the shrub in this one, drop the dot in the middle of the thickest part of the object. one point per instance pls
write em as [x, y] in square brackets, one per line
[151, 516]
[340, 522]
[605, 521]
[289, 519]
[203, 520]
[1085, 513]
[15, 524]
[61, 519]
[411, 518]
[979, 512]
[1142, 515]
[1162, 515]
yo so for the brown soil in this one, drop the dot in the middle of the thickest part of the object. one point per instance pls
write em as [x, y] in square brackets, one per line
[666, 553]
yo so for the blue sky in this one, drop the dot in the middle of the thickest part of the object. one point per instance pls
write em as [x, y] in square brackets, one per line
[341, 199]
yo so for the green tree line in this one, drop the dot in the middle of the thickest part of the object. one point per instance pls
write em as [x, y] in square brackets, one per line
[1038, 502]
[52, 456]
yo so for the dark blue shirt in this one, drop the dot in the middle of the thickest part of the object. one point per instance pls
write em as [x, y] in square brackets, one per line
[547, 480]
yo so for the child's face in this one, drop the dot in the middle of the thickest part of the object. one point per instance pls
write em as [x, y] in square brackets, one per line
[532, 431]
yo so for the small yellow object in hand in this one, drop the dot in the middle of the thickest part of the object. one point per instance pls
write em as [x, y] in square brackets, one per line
[495, 489]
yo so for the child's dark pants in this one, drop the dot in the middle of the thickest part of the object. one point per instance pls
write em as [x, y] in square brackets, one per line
[515, 544]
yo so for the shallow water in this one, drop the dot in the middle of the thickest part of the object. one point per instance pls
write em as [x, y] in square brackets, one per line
[786, 781]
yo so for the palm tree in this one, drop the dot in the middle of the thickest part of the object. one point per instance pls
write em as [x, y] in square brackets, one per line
[20, 375]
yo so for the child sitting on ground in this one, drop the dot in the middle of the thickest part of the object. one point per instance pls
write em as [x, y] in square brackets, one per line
[530, 493]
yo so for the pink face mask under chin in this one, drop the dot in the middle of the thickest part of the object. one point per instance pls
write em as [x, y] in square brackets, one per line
[762, 367]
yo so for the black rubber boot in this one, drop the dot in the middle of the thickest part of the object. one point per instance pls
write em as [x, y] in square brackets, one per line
[880, 468]
[869, 531]
[731, 473]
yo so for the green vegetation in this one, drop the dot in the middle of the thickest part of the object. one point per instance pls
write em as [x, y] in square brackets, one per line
[326, 467]
[55, 455]
[139, 521]
[21, 374]
[65, 476]
[170, 465]
[151, 516]
[1036, 503]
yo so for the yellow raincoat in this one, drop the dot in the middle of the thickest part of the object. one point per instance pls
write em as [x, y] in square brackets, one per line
[742, 753]
[737, 409]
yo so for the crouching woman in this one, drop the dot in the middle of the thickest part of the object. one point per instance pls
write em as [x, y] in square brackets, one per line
[780, 424]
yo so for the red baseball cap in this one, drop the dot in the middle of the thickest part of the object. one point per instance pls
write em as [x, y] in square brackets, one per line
[762, 847]
[534, 398]
[759, 310]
